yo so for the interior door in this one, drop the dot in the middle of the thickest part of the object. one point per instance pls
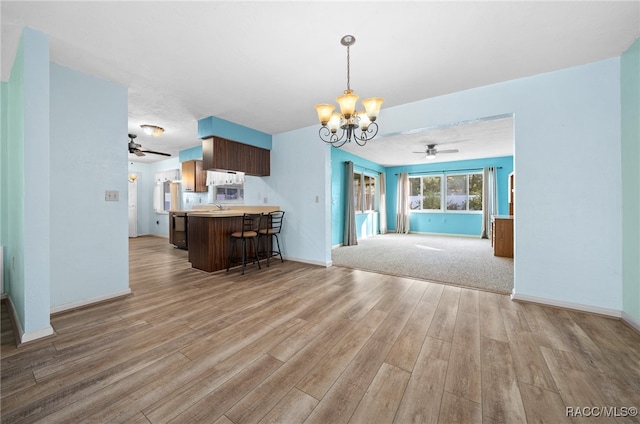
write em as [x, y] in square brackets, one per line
[133, 205]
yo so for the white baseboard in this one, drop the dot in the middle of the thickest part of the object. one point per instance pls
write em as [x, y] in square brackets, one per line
[87, 302]
[631, 321]
[305, 261]
[22, 336]
[567, 305]
[422, 233]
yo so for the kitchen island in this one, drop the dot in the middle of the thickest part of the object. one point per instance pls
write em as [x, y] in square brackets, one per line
[209, 234]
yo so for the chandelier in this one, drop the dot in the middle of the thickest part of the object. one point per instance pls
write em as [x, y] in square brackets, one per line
[357, 126]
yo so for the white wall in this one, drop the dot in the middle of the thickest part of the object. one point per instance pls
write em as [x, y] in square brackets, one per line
[89, 250]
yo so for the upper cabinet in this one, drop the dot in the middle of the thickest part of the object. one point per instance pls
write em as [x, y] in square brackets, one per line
[194, 177]
[226, 155]
[169, 175]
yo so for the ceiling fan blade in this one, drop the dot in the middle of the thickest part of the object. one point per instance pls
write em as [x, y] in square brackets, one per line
[138, 153]
[156, 153]
[448, 151]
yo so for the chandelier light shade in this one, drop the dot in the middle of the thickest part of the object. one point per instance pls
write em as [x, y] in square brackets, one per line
[153, 130]
[358, 126]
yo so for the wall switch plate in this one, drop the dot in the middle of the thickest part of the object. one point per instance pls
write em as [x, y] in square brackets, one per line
[266, 200]
[112, 195]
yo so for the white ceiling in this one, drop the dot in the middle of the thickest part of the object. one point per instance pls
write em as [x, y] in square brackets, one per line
[265, 64]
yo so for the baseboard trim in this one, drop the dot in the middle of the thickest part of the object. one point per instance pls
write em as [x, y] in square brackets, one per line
[566, 305]
[21, 336]
[631, 321]
[305, 261]
[89, 302]
[421, 233]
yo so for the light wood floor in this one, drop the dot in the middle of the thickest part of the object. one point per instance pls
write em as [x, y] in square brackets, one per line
[298, 343]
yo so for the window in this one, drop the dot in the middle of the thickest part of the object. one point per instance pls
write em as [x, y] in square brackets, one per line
[462, 192]
[364, 192]
[229, 193]
[357, 191]
[369, 193]
[457, 192]
[425, 193]
[475, 192]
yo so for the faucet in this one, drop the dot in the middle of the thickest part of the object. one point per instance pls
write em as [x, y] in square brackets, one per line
[219, 206]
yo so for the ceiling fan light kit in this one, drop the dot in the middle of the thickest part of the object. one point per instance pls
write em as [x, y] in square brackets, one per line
[153, 130]
[359, 126]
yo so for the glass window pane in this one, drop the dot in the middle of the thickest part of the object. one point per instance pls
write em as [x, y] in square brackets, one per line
[369, 193]
[431, 193]
[475, 192]
[456, 192]
[415, 198]
[357, 191]
[232, 193]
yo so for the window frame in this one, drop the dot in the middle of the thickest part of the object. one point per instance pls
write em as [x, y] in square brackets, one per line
[421, 191]
[443, 192]
[361, 205]
[227, 188]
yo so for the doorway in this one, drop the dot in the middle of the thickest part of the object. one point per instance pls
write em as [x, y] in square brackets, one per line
[133, 204]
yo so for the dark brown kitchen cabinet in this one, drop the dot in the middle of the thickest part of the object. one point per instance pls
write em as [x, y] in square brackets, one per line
[194, 177]
[227, 155]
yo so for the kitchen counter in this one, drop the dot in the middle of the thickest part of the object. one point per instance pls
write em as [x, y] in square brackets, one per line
[209, 234]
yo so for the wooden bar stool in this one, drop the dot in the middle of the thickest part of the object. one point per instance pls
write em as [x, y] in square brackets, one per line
[249, 231]
[273, 226]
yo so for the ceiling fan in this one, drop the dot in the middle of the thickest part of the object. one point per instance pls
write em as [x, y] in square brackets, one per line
[135, 148]
[431, 151]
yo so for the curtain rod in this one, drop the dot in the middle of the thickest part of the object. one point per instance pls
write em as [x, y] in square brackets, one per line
[451, 170]
[365, 168]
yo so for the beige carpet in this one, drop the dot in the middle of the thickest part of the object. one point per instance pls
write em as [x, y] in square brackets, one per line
[462, 261]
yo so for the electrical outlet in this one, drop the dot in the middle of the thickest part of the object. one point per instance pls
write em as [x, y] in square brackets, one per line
[112, 195]
[266, 200]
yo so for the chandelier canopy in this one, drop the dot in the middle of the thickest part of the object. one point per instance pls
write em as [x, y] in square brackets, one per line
[359, 126]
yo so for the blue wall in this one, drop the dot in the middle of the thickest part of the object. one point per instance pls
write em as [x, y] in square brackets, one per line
[211, 125]
[367, 224]
[193, 153]
[448, 222]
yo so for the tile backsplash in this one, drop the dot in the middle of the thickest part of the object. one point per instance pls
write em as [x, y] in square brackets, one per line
[194, 199]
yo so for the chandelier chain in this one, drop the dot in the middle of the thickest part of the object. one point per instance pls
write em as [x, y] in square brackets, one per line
[348, 70]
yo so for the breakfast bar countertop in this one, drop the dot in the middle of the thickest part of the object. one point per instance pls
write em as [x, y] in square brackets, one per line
[226, 211]
[209, 237]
